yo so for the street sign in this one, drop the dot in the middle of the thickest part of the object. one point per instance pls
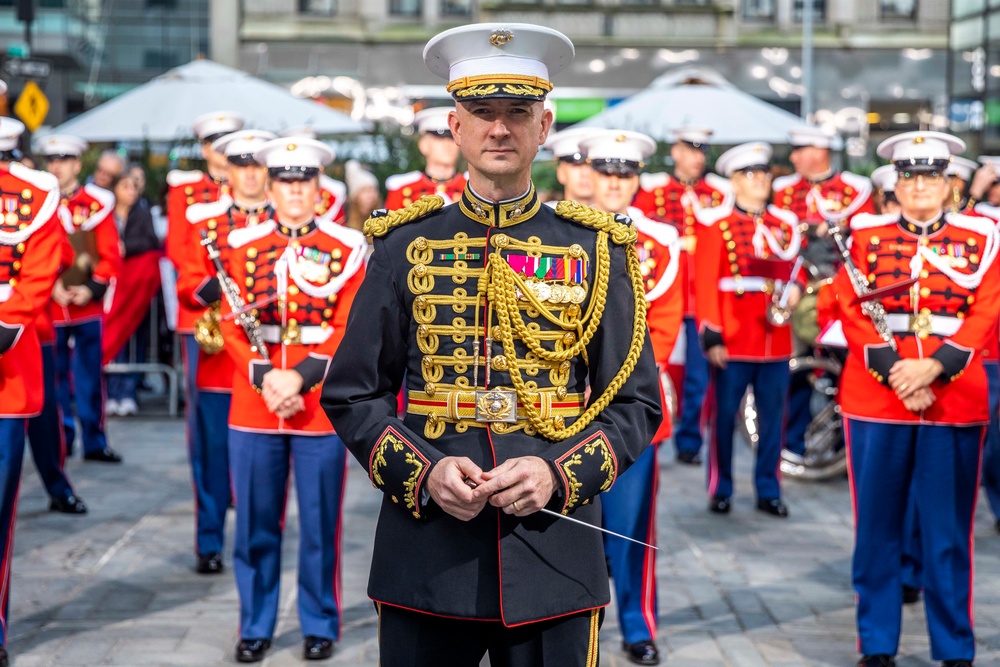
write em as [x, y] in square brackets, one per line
[32, 106]
[29, 69]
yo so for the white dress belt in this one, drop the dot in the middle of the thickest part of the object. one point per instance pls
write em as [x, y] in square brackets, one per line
[5, 292]
[308, 335]
[939, 325]
[749, 284]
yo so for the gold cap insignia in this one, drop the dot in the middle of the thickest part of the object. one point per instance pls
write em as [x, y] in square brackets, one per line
[918, 140]
[290, 147]
[501, 37]
[620, 138]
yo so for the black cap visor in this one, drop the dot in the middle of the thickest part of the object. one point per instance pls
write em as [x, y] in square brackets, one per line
[242, 160]
[293, 173]
[616, 167]
[573, 158]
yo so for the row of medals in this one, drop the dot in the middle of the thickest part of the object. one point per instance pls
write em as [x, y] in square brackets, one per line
[554, 293]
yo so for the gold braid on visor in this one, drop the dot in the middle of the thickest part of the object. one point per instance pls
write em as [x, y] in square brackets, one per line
[490, 84]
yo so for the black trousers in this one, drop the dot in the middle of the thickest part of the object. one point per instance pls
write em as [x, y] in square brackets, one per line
[412, 639]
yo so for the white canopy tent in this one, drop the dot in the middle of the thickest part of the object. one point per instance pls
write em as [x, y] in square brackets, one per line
[699, 97]
[162, 110]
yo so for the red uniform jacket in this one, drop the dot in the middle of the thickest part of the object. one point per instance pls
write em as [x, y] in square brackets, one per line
[991, 353]
[843, 194]
[404, 189]
[314, 273]
[46, 329]
[184, 189]
[948, 314]
[197, 284]
[666, 199]
[332, 197]
[732, 300]
[658, 247]
[30, 254]
[90, 209]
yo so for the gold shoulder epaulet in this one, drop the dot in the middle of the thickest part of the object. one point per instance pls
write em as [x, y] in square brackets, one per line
[383, 220]
[618, 227]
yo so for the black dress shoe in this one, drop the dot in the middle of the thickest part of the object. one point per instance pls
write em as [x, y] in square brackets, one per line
[642, 653]
[879, 660]
[210, 563]
[957, 663]
[720, 505]
[106, 455]
[773, 506]
[317, 648]
[911, 595]
[690, 458]
[68, 504]
[4, 661]
[252, 650]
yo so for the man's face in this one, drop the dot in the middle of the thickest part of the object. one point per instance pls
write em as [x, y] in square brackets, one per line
[810, 160]
[139, 176]
[752, 187]
[106, 170]
[294, 201]
[248, 182]
[218, 164]
[922, 194]
[500, 137]
[614, 193]
[576, 179]
[439, 150]
[993, 195]
[66, 170]
[689, 162]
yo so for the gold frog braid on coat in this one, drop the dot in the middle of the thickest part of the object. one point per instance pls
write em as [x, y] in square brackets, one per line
[502, 292]
[382, 220]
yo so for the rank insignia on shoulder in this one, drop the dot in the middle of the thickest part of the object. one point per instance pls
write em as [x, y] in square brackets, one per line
[382, 221]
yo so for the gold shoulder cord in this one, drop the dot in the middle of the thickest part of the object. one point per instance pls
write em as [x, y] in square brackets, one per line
[502, 292]
[380, 225]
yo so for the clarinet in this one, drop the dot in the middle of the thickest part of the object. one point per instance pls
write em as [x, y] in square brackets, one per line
[859, 281]
[250, 324]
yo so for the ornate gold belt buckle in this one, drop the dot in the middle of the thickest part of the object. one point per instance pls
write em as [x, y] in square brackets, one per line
[290, 334]
[496, 405]
[920, 324]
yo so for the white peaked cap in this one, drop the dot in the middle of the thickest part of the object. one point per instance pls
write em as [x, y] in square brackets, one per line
[618, 145]
[357, 177]
[753, 154]
[699, 136]
[242, 142]
[884, 178]
[962, 167]
[62, 144]
[294, 152]
[920, 147]
[567, 142]
[11, 130]
[991, 160]
[217, 122]
[810, 135]
[3, 87]
[485, 60]
[434, 119]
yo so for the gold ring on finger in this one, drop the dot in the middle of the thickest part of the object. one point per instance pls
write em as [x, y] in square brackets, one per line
[516, 508]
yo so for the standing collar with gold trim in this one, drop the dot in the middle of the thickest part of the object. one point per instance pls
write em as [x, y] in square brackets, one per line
[919, 228]
[261, 209]
[502, 214]
[217, 181]
[819, 179]
[284, 230]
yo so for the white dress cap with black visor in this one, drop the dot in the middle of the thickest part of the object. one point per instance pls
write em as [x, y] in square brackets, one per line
[565, 145]
[211, 126]
[11, 130]
[61, 146]
[695, 137]
[498, 60]
[921, 151]
[617, 152]
[962, 167]
[433, 121]
[294, 158]
[239, 147]
[751, 156]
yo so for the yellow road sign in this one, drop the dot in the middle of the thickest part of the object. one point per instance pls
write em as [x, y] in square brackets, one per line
[32, 106]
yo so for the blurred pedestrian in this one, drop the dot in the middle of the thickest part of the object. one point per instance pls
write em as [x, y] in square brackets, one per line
[363, 194]
[110, 166]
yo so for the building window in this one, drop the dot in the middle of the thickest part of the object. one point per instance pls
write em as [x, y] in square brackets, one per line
[819, 11]
[162, 4]
[456, 7]
[899, 9]
[758, 10]
[405, 7]
[158, 59]
[318, 7]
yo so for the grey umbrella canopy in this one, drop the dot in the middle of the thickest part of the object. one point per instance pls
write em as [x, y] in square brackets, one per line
[699, 97]
[162, 110]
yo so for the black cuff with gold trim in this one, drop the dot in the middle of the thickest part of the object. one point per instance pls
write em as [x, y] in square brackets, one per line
[398, 468]
[9, 335]
[879, 361]
[313, 371]
[98, 289]
[585, 470]
[209, 291]
[953, 360]
[258, 369]
[711, 338]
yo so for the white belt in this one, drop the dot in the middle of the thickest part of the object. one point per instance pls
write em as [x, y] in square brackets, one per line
[939, 325]
[307, 335]
[5, 292]
[751, 284]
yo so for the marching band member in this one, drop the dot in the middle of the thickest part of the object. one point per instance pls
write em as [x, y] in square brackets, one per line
[915, 398]
[198, 287]
[486, 310]
[78, 296]
[674, 199]
[440, 175]
[332, 199]
[572, 170]
[298, 274]
[30, 255]
[743, 270]
[629, 507]
[961, 171]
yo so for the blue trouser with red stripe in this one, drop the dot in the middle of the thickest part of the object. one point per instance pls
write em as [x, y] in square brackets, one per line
[769, 380]
[80, 381]
[629, 508]
[45, 433]
[261, 463]
[687, 436]
[11, 456]
[939, 465]
[207, 414]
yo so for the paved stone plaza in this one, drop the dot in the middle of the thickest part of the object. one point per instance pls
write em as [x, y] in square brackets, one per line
[117, 586]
